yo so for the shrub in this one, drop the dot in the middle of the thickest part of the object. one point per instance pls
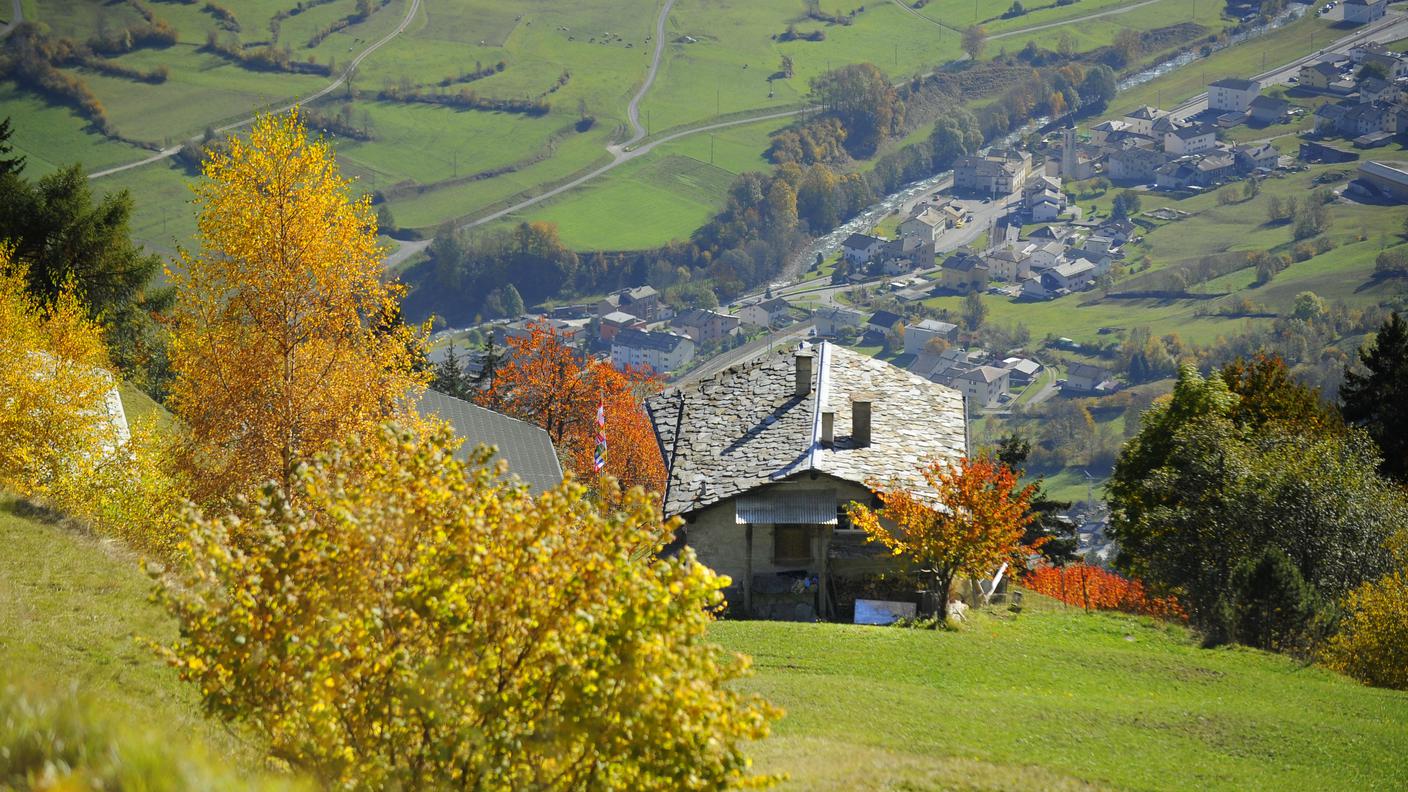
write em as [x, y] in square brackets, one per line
[401, 619]
[1372, 645]
[1093, 588]
[1268, 605]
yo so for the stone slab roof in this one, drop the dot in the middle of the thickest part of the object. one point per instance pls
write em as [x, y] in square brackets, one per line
[745, 427]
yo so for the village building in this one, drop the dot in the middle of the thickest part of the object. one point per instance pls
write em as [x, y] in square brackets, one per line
[1266, 110]
[1073, 275]
[984, 386]
[1134, 165]
[1190, 140]
[1377, 89]
[918, 335]
[660, 352]
[1319, 76]
[642, 302]
[830, 320]
[882, 322]
[526, 448]
[764, 457]
[926, 223]
[1385, 179]
[859, 248]
[616, 321]
[1232, 94]
[1262, 156]
[765, 313]
[1362, 12]
[1021, 371]
[1007, 264]
[1141, 120]
[964, 272]
[997, 173]
[1394, 65]
[1085, 378]
[704, 326]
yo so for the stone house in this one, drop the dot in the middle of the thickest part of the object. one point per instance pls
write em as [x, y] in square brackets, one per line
[526, 448]
[1135, 165]
[964, 272]
[764, 457]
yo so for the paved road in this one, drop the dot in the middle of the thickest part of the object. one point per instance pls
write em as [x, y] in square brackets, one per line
[1390, 28]
[16, 17]
[171, 151]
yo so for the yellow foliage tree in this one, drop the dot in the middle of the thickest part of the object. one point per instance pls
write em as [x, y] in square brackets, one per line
[409, 621]
[54, 384]
[970, 523]
[1372, 642]
[285, 336]
[63, 444]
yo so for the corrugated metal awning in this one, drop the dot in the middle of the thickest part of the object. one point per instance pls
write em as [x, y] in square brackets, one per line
[804, 507]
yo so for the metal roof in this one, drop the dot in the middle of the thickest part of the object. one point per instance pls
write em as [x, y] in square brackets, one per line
[788, 507]
[527, 448]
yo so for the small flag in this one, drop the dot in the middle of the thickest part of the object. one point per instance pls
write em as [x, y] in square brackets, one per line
[599, 458]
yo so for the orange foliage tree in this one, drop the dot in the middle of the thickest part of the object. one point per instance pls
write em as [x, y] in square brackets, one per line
[1093, 588]
[971, 524]
[551, 384]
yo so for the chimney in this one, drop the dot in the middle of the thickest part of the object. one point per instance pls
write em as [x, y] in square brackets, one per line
[860, 420]
[804, 374]
[828, 429]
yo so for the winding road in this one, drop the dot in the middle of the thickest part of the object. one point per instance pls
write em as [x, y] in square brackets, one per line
[633, 109]
[171, 151]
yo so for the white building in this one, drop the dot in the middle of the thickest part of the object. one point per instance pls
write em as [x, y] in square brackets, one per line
[1190, 140]
[1232, 94]
[765, 313]
[984, 386]
[926, 224]
[660, 352]
[918, 335]
[859, 248]
[1364, 11]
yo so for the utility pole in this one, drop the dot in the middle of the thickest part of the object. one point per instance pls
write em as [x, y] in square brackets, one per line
[711, 149]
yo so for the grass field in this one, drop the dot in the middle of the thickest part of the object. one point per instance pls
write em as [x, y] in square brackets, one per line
[1060, 700]
[1048, 699]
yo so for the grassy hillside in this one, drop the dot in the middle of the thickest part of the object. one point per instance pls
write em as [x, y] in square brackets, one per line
[74, 613]
[1051, 699]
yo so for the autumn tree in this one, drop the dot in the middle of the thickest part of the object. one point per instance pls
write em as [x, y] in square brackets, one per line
[54, 382]
[549, 383]
[866, 103]
[404, 620]
[1372, 642]
[284, 336]
[969, 522]
[975, 41]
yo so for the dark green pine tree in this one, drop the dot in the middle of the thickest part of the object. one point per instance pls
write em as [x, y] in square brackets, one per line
[8, 165]
[1377, 399]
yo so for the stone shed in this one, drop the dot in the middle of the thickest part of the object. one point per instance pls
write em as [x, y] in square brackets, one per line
[764, 457]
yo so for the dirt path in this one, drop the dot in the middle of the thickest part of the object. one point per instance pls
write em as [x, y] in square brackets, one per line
[171, 151]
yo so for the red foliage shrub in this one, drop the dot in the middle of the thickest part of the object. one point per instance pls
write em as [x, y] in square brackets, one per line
[1093, 588]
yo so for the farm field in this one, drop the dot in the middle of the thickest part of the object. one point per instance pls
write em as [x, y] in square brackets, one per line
[1008, 702]
[437, 164]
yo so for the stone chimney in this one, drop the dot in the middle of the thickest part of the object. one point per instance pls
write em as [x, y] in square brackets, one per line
[828, 429]
[804, 374]
[860, 420]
